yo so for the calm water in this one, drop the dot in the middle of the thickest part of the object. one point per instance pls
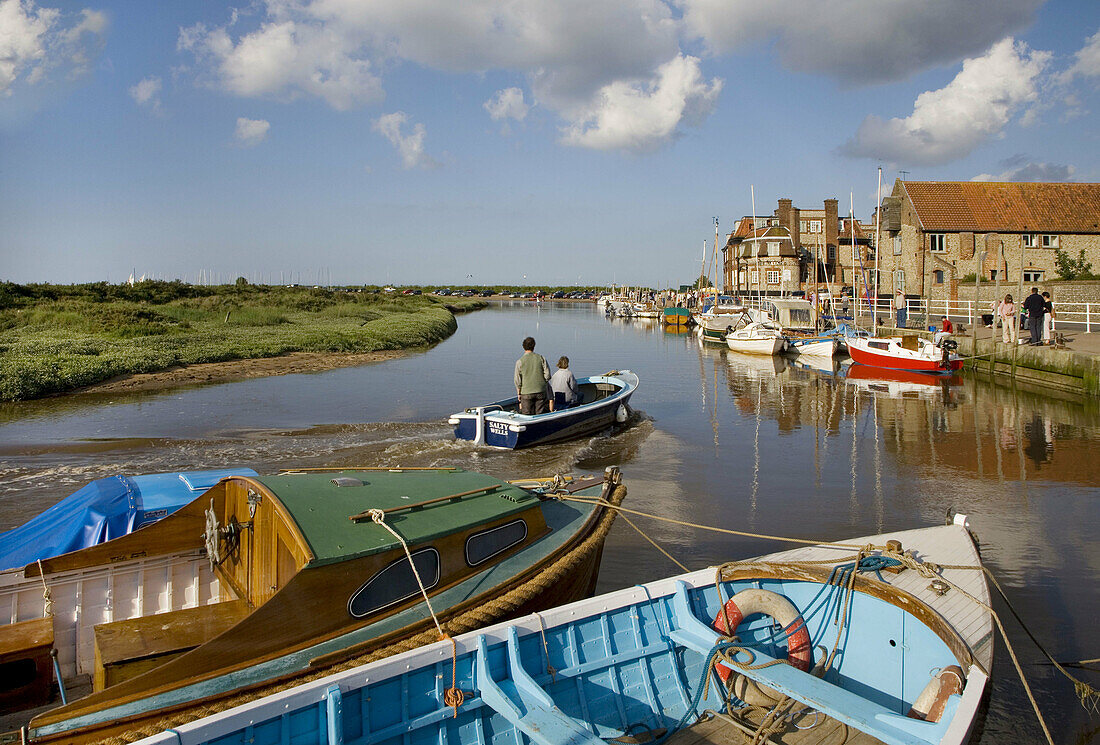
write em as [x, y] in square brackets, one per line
[719, 438]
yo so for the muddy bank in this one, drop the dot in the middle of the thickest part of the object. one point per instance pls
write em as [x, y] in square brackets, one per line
[234, 370]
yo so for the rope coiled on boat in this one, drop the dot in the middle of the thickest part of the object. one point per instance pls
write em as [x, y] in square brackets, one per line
[500, 608]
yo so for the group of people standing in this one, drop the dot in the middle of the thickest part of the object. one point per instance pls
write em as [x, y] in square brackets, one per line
[1040, 318]
[533, 379]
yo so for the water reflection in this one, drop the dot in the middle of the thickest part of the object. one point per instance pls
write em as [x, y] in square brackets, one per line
[804, 448]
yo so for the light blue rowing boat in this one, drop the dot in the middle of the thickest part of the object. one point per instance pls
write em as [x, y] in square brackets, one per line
[835, 643]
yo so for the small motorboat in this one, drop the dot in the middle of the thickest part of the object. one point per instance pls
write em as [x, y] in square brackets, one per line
[812, 345]
[907, 352]
[676, 316]
[862, 642]
[755, 337]
[264, 580]
[604, 400]
[105, 509]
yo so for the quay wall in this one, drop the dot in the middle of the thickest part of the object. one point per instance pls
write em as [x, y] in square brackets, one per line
[1061, 291]
[1058, 369]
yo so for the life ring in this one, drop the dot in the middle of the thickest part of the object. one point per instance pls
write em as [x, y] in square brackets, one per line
[746, 603]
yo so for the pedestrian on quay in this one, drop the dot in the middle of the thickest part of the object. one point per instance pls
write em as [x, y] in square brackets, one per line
[1006, 314]
[901, 308]
[1036, 309]
[1048, 319]
[531, 376]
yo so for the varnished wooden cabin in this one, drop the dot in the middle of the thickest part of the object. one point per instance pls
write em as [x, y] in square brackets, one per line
[301, 578]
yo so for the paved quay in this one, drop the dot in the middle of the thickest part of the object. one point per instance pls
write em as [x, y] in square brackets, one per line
[1072, 368]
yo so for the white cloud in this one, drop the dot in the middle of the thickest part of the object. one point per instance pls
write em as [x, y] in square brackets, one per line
[286, 59]
[411, 146]
[251, 132]
[642, 116]
[1086, 63]
[856, 41]
[146, 93]
[35, 40]
[573, 53]
[949, 123]
[507, 104]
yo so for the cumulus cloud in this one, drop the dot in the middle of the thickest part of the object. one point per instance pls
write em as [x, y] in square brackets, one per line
[146, 93]
[1021, 168]
[857, 41]
[35, 40]
[1086, 63]
[411, 145]
[286, 59]
[949, 123]
[642, 116]
[251, 132]
[507, 104]
[574, 54]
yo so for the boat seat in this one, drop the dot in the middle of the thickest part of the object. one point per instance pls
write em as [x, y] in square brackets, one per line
[26, 669]
[867, 716]
[524, 703]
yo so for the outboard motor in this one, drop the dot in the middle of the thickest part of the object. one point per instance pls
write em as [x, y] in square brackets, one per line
[947, 345]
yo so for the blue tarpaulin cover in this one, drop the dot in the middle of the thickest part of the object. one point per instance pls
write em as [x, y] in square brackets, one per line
[104, 509]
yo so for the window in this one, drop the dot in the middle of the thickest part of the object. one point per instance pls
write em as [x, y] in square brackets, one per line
[741, 277]
[786, 275]
[937, 243]
[1028, 240]
[772, 276]
[480, 547]
[1033, 275]
[937, 276]
[1050, 241]
[830, 254]
[773, 248]
[815, 226]
[801, 226]
[992, 274]
[897, 245]
[899, 280]
[754, 277]
[395, 583]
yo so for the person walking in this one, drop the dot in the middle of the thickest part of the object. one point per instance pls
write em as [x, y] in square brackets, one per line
[901, 308]
[531, 375]
[1048, 319]
[1036, 309]
[1006, 314]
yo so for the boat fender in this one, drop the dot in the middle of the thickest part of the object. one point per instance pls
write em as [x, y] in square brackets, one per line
[932, 700]
[621, 414]
[799, 650]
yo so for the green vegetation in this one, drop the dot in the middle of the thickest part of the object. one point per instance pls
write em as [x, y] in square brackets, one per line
[57, 338]
[1071, 268]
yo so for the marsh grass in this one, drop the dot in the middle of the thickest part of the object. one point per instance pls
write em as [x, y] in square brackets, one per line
[55, 341]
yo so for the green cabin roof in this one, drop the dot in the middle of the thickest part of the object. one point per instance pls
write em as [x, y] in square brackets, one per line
[322, 509]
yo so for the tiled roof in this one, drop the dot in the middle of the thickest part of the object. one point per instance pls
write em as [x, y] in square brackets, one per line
[990, 207]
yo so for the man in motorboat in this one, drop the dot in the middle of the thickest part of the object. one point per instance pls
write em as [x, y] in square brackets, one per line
[531, 376]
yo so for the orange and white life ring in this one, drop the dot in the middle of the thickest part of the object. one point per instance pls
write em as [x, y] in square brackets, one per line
[751, 601]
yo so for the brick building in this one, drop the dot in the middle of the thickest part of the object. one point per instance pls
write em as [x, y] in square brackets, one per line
[794, 248]
[933, 233]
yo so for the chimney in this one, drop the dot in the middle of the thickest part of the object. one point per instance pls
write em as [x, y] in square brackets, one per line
[830, 223]
[796, 230]
[784, 212]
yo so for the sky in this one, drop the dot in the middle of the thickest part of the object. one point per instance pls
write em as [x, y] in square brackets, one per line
[504, 141]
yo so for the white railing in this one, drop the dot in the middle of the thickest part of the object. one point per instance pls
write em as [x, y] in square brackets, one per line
[921, 312]
[1076, 316]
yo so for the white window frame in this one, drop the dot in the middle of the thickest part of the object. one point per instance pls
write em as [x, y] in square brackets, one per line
[897, 245]
[937, 243]
[741, 277]
[815, 226]
[771, 277]
[786, 275]
[1049, 240]
[899, 280]
[1028, 240]
[802, 226]
[773, 248]
[754, 277]
[1033, 275]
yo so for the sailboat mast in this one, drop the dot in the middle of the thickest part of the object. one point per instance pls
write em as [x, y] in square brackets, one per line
[878, 250]
[752, 194]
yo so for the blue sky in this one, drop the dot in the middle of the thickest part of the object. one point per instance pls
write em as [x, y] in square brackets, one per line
[425, 141]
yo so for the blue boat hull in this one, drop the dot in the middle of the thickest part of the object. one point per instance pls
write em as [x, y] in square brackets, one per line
[504, 428]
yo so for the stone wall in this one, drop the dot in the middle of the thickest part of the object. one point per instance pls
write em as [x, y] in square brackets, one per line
[1061, 291]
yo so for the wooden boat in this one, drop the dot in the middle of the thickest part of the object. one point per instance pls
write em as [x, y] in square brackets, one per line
[604, 400]
[676, 316]
[815, 345]
[264, 580]
[104, 509]
[883, 647]
[907, 352]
